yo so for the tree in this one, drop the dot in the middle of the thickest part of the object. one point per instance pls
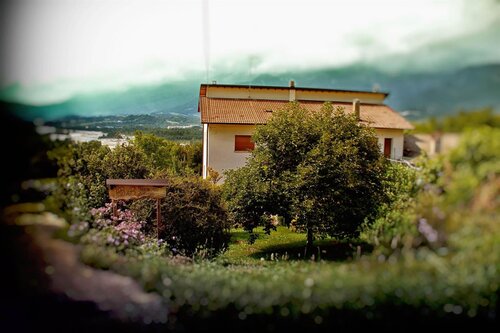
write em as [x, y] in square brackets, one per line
[162, 154]
[322, 171]
[83, 170]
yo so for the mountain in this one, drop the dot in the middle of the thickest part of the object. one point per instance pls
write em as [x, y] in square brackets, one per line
[417, 95]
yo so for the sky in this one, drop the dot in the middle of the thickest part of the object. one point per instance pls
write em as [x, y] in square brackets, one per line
[52, 50]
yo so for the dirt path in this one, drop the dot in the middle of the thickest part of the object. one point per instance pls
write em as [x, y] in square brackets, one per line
[53, 266]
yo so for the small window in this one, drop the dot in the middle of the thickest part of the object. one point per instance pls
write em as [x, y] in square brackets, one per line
[243, 143]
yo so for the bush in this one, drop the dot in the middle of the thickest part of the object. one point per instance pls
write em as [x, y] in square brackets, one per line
[121, 232]
[395, 220]
[193, 220]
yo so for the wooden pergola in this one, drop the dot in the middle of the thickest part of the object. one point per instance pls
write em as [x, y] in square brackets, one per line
[133, 189]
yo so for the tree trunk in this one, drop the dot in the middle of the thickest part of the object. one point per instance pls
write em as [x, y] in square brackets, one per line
[309, 244]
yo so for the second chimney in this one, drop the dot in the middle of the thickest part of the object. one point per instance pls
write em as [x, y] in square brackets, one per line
[292, 90]
[355, 108]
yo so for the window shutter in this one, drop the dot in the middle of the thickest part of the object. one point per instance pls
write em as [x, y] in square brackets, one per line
[243, 143]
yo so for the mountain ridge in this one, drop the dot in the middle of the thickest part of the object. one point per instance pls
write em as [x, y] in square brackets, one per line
[416, 95]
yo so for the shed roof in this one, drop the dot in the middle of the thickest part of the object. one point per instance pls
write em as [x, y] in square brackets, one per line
[253, 111]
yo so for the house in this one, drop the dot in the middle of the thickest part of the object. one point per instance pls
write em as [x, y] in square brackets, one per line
[230, 113]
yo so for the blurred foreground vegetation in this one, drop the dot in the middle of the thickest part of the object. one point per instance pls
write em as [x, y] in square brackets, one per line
[459, 122]
[431, 257]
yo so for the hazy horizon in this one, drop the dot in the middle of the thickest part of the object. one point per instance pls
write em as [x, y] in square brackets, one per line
[55, 50]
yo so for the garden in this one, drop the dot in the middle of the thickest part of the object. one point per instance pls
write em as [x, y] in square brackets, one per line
[317, 232]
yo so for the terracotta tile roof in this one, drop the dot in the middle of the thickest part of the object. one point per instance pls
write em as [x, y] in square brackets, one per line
[252, 111]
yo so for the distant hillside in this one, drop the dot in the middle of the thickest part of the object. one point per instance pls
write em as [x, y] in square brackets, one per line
[416, 95]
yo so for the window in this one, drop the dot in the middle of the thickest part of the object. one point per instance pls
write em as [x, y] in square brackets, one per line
[243, 143]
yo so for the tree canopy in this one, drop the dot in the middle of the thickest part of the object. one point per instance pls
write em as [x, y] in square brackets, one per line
[322, 171]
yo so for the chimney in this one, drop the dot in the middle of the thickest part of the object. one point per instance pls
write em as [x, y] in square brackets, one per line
[292, 90]
[355, 108]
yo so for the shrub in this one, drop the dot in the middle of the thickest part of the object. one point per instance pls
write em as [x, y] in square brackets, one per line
[395, 220]
[193, 218]
[121, 232]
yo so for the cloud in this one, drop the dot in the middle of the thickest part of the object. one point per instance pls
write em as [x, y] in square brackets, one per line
[54, 49]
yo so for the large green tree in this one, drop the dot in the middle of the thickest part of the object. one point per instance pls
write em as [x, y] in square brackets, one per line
[322, 171]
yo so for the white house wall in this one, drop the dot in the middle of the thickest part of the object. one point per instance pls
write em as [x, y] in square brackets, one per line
[281, 94]
[218, 140]
[397, 137]
[205, 150]
[221, 154]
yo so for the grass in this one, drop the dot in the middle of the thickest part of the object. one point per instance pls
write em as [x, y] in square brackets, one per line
[285, 244]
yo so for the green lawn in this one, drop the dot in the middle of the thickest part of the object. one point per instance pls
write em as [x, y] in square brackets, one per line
[285, 244]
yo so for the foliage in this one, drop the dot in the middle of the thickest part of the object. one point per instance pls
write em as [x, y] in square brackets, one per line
[460, 122]
[434, 201]
[442, 270]
[190, 134]
[469, 186]
[194, 222]
[213, 175]
[478, 152]
[194, 218]
[81, 179]
[445, 286]
[321, 171]
[83, 170]
[84, 167]
[446, 272]
[395, 217]
[248, 198]
[165, 155]
[123, 234]
[125, 161]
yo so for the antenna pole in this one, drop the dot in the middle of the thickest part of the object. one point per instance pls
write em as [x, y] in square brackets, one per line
[206, 38]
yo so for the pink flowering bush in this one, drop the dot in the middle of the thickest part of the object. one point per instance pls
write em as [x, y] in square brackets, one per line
[122, 231]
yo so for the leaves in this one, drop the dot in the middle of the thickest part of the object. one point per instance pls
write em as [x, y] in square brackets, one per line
[321, 169]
